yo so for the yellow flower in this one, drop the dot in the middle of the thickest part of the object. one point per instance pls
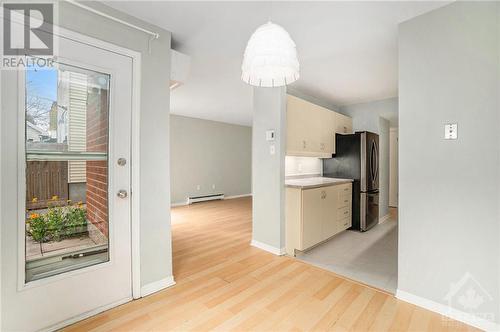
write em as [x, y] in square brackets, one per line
[55, 198]
[80, 203]
[34, 200]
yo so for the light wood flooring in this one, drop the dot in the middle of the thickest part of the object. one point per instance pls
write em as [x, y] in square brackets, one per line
[225, 284]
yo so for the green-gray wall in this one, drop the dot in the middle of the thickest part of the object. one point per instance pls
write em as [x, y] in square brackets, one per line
[206, 153]
[449, 190]
[268, 170]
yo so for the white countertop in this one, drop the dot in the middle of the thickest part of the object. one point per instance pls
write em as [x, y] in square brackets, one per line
[314, 182]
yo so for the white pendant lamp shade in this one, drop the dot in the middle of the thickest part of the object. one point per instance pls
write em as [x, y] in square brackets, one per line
[270, 58]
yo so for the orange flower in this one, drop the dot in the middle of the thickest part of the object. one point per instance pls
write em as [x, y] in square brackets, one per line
[34, 216]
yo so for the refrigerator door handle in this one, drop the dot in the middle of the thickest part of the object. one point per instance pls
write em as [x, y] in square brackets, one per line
[374, 161]
[363, 163]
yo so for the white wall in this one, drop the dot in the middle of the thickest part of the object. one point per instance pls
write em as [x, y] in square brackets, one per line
[377, 117]
[393, 167]
[449, 190]
[298, 166]
[206, 154]
[365, 116]
[384, 167]
[268, 170]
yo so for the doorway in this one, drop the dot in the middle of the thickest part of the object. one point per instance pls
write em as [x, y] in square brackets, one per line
[69, 129]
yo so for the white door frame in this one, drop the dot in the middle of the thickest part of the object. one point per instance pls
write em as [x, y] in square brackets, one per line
[135, 159]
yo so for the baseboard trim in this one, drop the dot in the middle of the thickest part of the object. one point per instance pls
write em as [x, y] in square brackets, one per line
[268, 248]
[384, 218]
[225, 197]
[444, 310]
[237, 196]
[157, 286]
[85, 315]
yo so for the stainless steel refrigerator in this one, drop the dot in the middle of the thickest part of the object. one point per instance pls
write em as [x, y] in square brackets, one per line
[356, 158]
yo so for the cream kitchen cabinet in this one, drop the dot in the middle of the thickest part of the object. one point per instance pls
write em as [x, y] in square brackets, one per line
[343, 124]
[302, 132]
[311, 129]
[314, 215]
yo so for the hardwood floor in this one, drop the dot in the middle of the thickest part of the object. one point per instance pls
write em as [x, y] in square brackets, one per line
[225, 284]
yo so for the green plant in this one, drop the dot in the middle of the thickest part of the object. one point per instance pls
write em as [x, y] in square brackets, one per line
[38, 228]
[58, 223]
[75, 218]
[55, 219]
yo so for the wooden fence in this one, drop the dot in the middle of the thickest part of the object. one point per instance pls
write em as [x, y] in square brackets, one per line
[44, 181]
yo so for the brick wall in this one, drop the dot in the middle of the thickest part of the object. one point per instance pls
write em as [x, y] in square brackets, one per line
[97, 171]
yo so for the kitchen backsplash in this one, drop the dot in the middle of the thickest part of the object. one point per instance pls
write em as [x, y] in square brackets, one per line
[295, 166]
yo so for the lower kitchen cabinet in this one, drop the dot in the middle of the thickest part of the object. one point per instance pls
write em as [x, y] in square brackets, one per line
[315, 215]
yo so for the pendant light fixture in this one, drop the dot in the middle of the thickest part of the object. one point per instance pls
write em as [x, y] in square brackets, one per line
[270, 58]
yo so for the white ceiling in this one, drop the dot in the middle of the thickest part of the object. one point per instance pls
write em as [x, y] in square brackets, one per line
[347, 50]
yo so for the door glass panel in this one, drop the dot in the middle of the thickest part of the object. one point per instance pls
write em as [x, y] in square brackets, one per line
[66, 170]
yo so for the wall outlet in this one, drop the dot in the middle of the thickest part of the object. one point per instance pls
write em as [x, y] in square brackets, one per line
[272, 150]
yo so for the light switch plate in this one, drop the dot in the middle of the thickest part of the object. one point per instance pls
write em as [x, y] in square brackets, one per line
[450, 131]
[269, 135]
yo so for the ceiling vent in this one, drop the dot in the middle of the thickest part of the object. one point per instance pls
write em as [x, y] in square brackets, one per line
[181, 64]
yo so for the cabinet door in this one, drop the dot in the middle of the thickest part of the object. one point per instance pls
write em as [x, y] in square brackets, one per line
[327, 140]
[343, 124]
[302, 132]
[295, 115]
[312, 215]
[330, 224]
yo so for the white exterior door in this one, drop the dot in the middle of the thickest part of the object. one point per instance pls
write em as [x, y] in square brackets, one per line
[66, 170]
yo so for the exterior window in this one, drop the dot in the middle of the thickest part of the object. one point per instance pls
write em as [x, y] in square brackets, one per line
[66, 146]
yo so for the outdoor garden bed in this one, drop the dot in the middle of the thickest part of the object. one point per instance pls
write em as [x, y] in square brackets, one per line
[56, 224]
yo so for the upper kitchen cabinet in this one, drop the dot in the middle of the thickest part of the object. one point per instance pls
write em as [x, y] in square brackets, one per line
[303, 133]
[343, 124]
[311, 129]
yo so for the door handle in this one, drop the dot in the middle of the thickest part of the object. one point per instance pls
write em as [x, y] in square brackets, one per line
[122, 194]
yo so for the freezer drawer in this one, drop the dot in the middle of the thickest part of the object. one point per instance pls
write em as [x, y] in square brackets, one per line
[369, 210]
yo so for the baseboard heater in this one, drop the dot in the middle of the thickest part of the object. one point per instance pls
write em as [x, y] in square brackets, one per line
[196, 199]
